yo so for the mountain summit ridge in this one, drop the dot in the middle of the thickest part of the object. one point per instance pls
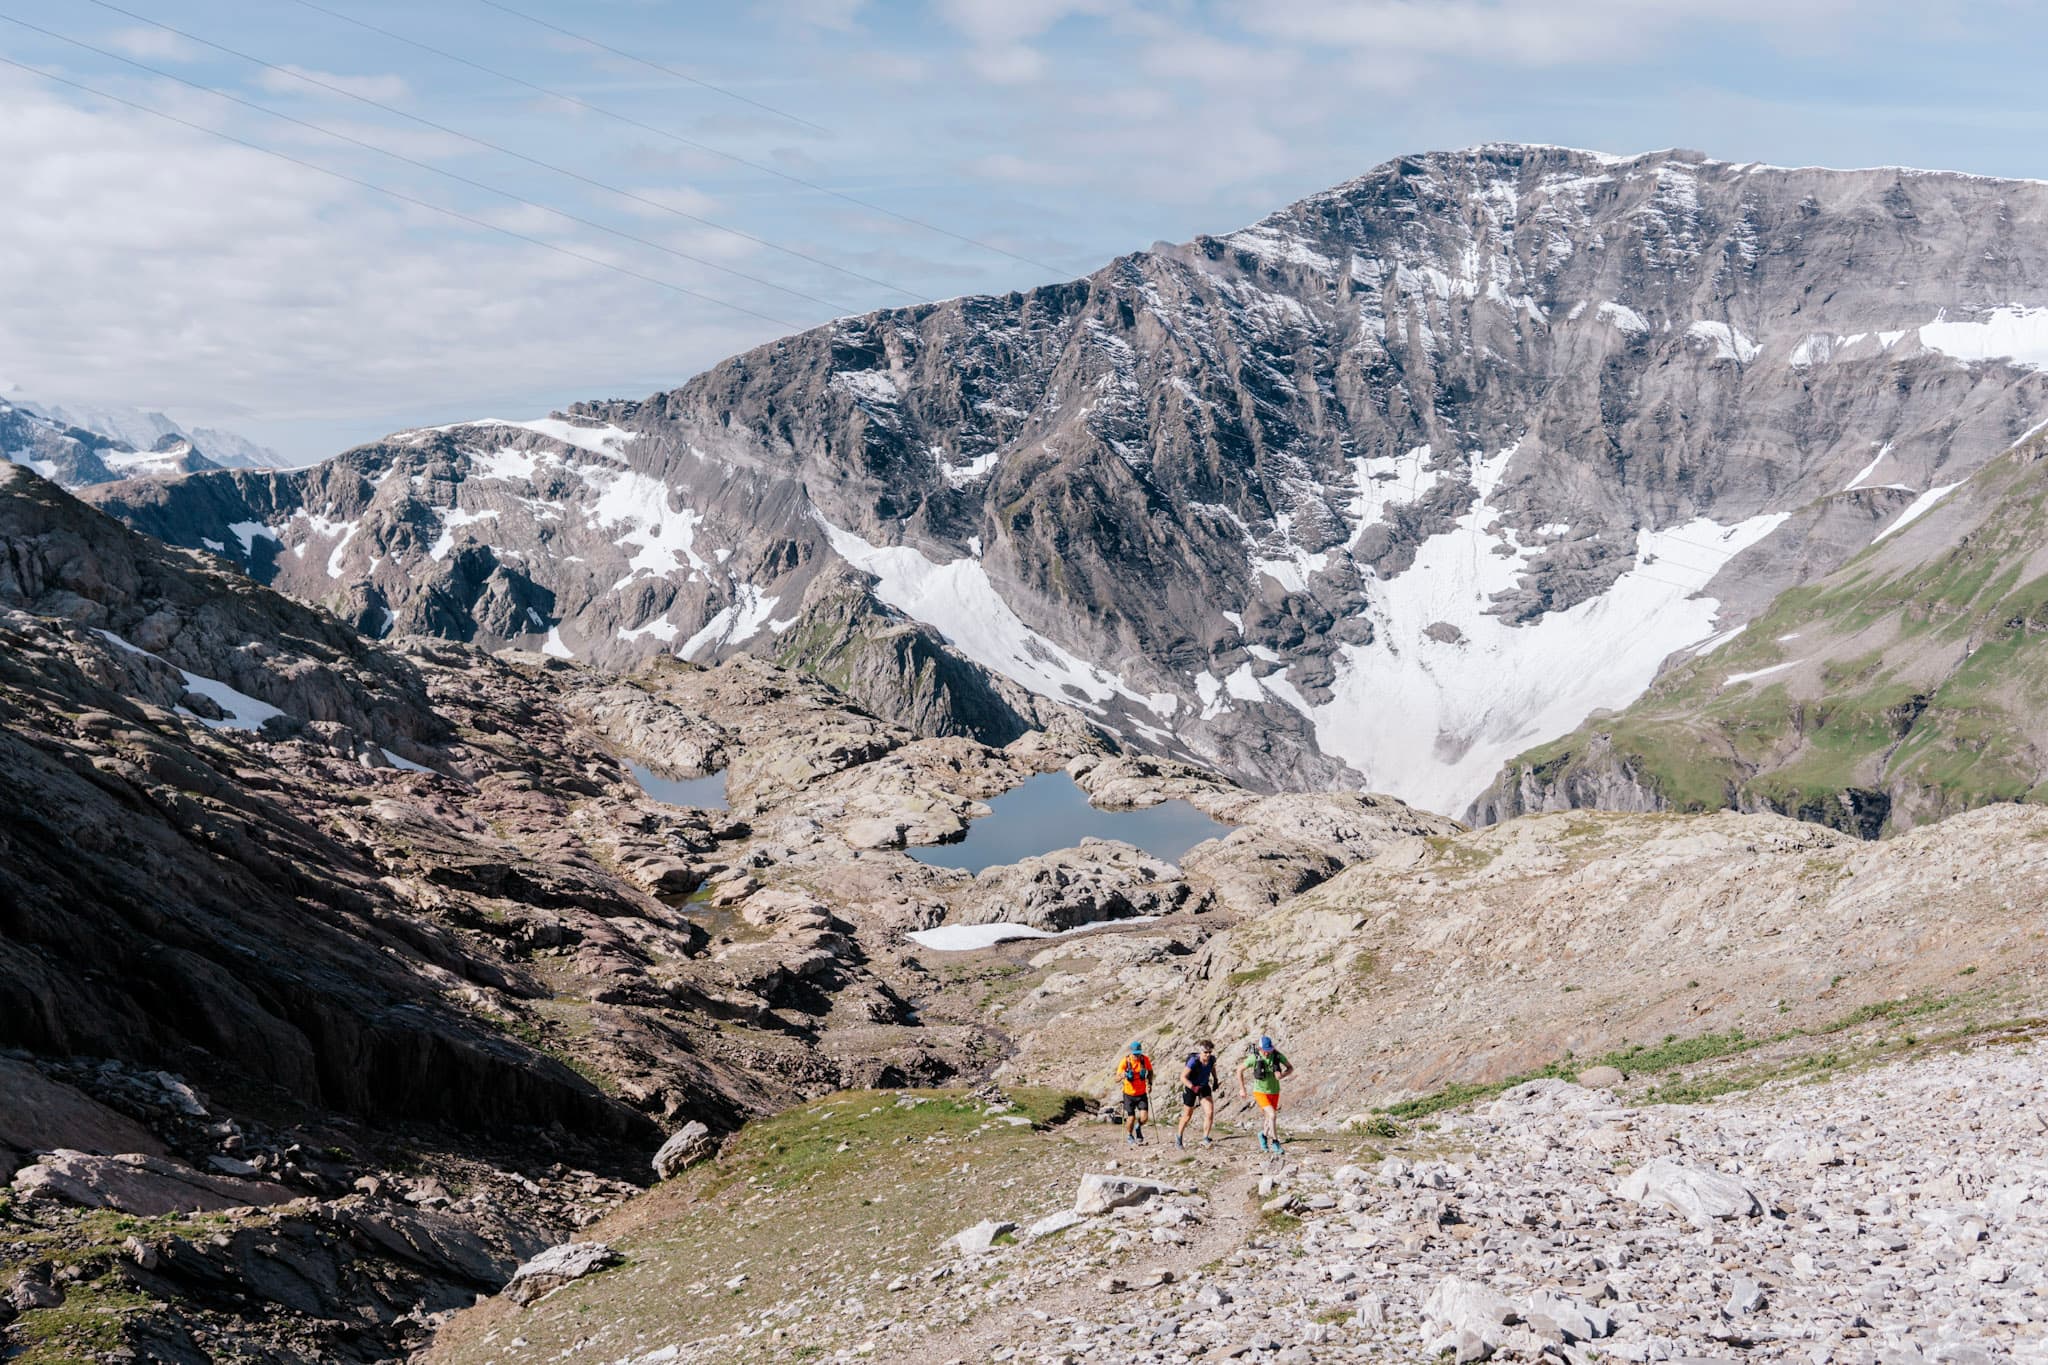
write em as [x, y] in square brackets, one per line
[1315, 500]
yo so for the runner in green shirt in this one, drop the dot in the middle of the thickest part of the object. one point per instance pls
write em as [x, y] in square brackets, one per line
[1268, 1066]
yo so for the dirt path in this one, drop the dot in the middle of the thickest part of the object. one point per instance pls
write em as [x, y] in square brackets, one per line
[1226, 1174]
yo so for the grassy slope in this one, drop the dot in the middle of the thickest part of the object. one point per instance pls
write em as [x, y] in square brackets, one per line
[1925, 680]
[860, 1187]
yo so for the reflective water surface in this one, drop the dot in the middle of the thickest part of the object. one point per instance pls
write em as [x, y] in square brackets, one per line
[1049, 811]
[704, 792]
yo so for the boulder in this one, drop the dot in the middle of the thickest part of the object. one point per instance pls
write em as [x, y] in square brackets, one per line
[979, 1238]
[1466, 1316]
[1698, 1194]
[1101, 1193]
[557, 1266]
[1559, 1318]
[689, 1145]
[1601, 1077]
[137, 1183]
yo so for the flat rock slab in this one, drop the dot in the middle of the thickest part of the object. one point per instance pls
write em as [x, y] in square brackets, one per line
[1101, 1193]
[38, 1114]
[134, 1182]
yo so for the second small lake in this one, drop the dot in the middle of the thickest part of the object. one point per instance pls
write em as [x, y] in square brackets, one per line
[1050, 811]
[707, 793]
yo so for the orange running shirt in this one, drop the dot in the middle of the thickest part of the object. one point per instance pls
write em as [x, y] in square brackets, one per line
[1137, 1073]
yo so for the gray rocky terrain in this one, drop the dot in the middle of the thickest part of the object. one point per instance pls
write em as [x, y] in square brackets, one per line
[1294, 501]
[1888, 1216]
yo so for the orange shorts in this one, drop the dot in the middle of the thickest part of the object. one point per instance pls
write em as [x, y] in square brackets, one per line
[1266, 1101]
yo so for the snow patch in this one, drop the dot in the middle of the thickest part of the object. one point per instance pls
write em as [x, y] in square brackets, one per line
[663, 538]
[734, 624]
[1623, 318]
[1869, 469]
[2015, 332]
[453, 519]
[1728, 342]
[242, 711]
[1917, 509]
[510, 464]
[1431, 721]
[553, 645]
[960, 475]
[867, 386]
[960, 602]
[248, 532]
[1734, 678]
[963, 938]
[661, 629]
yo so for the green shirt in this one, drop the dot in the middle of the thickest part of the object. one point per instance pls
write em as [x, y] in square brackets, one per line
[1266, 1068]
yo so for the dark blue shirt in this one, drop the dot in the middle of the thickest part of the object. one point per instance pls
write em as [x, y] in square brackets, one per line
[1201, 1074]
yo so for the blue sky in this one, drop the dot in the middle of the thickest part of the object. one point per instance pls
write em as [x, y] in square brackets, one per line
[147, 262]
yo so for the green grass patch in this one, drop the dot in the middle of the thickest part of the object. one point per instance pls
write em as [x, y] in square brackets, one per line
[89, 1324]
[1252, 974]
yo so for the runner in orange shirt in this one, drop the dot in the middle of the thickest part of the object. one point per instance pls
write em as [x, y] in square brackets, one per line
[1136, 1072]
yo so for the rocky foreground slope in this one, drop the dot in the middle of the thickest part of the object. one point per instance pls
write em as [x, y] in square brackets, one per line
[1378, 491]
[1894, 1215]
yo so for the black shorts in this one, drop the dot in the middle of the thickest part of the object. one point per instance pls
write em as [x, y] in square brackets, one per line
[1190, 1098]
[1134, 1103]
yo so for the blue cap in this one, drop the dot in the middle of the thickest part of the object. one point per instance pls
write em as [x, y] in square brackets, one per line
[1265, 1045]
[1137, 1047]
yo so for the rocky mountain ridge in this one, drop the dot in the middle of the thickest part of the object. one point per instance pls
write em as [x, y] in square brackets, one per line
[1377, 491]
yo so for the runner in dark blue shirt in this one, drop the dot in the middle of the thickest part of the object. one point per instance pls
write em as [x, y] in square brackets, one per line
[1198, 1087]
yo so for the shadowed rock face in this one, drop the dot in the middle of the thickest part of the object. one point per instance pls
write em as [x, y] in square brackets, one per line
[1292, 500]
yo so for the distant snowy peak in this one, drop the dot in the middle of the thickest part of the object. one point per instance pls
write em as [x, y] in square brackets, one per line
[151, 436]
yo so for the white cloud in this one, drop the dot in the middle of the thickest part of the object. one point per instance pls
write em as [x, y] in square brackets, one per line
[243, 277]
[151, 44]
[1008, 64]
[1514, 33]
[300, 80]
[994, 23]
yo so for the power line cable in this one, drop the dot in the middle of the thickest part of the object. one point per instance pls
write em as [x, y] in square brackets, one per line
[401, 196]
[678, 138]
[421, 165]
[650, 62]
[502, 150]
